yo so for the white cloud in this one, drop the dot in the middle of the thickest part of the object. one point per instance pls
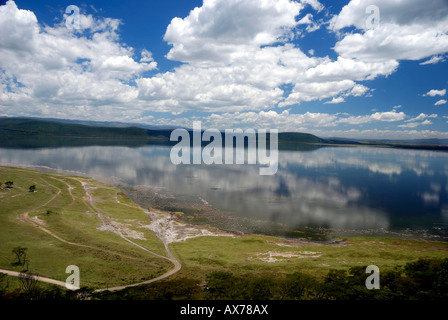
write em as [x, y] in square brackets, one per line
[408, 30]
[229, 64]
[434, 92]
[84, 74]
[311, 25]
[344, 68]
[315, 4]
[220, 56]
[284, 121]
[320, 124]
[410, 125]
[219, 30]
[19, 29]
[433, 60]
[440, 102]
[422, 116]
[416, 124]
[336, 100]
[388, 116]
[358, 90]
[236, 56]
[381, 134]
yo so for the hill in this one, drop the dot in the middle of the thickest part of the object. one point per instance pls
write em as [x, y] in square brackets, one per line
[31, 127]
[32, 132]
[35, 130]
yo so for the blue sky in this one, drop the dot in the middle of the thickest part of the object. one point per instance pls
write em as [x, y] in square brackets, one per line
[310, 66]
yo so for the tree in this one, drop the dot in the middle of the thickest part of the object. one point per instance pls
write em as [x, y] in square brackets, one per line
[9, 184]
[20, 253]
[28, 284]
[297, 285]
[32, 188]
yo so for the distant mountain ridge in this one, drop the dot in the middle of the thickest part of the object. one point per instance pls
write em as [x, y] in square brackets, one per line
[93, 129]
[114, 124]
[16, 132]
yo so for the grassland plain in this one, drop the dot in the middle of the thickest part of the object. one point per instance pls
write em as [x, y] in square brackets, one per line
[59, 227]
[264, 255]
[69, 219]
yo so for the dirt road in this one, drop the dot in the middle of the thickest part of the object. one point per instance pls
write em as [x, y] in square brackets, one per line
[36, 223]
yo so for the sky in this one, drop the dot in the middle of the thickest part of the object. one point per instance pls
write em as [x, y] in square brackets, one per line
[357, 69]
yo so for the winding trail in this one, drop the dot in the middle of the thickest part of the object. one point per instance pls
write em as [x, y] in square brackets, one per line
[36, 277]
[25, 218]
[171, 257]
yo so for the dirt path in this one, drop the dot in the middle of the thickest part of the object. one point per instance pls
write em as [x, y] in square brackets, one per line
[25, 218]
[171, 258]
[37, 224]
[38, 278]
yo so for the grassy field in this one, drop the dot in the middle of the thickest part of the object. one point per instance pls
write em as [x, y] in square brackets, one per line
[60, 206]
[259, 254]
[63, 223]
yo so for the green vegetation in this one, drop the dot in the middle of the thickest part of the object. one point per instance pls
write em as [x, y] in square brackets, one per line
[20, 253]
[29, 127]
[33, 133]
[70, 220]
[424, 279]
[59, 227]
[261, 254]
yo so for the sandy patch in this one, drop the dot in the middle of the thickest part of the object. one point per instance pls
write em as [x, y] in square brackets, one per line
[275, 256]
[121, 229]
[38, 221]
[301, 242]
[169, 229]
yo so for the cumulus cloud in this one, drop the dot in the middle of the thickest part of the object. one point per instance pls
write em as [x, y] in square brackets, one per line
[219, 30]
[440, 102]
[434, 92]
[230, 64]
[83, 72]
[388, 116]
[311, 25]
[336, 100]
[237, 57]
[415, 124]
[315, 4]
[422, 116]
[408, 30]
[381, 133]
[287, 121]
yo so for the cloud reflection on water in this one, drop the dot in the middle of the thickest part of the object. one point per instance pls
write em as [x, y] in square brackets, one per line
[308, 189]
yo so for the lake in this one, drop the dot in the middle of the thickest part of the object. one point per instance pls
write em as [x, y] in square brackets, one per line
[314, 194]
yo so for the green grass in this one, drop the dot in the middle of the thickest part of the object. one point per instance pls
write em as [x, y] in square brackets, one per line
[111, 262]
[114, 261]
[204, 255]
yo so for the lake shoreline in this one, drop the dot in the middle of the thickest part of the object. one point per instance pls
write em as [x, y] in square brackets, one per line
[330, 235]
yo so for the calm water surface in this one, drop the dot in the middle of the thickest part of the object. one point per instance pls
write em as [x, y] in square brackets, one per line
[328, 191]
